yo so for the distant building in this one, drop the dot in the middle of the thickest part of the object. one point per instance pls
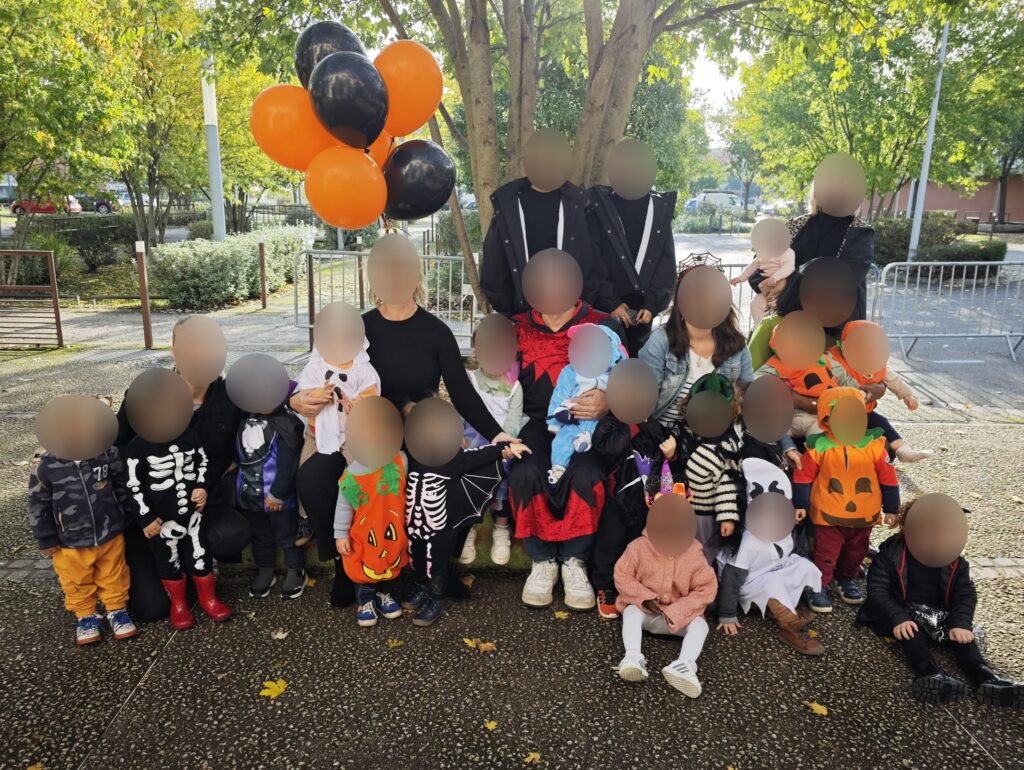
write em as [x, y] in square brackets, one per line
[976, 206]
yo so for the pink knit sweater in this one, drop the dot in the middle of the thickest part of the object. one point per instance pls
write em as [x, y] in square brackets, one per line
[682, 586]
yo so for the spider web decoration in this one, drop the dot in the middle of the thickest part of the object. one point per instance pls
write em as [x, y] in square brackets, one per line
[698, 258]
[479, 487]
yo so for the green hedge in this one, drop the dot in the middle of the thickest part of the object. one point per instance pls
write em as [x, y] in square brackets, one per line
[200, 228]
[32, 270]
[892, 236]
[329, 241]
[448, 242]
[965, 251]
[203, 275]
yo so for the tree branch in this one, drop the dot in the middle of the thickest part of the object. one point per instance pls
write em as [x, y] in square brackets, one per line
[664, 23]
[453, 129]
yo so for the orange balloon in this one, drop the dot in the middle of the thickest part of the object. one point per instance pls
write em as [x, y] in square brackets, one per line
[286, 128]
[382, 148]
[414, 83]
[346, 188]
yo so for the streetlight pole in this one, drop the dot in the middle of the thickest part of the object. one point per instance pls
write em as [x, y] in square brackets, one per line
[922, 183]
[213, 148]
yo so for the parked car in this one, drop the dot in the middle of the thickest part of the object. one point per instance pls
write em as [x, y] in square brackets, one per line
[47, 206]
[780, 208]
[723, 200]
[691, 206]
[100, 203]
[125, 201]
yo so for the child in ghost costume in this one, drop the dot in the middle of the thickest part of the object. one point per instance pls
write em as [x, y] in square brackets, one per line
[764, 571]
[571, 433]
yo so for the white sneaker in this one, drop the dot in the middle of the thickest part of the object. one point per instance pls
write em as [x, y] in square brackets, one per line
[540, 584]
[633, 668]
[579, 594]
[501, 544]
[682, 676]
[468, 555]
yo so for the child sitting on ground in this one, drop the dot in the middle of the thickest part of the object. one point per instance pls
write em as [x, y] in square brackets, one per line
[764, 571]
[773, 259]
[664, 585]
[497, 382]
[862, 351]
[593, 352]
[920, 592]
[77, 503]
[844, 482]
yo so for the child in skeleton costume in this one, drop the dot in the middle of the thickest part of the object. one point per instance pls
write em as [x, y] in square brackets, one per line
[161, 478]
[764, 571]
[571, 433]
[268, 447]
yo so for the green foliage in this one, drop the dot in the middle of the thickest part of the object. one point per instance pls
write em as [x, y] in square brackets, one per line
[32, 270]
[185, 217]
[448, 242]
[965, 251]
[200, 229]
[892, 236]
[96, 241]
[329, 241]
[203, 275]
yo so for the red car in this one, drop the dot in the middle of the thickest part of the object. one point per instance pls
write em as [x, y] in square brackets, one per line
[71, 206]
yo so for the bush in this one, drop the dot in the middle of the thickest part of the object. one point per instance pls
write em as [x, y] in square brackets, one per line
[892, 236]
[708, 223]
[301, 216]
[329, 241]
[184, 217]
[448, 242]
[200, 229]
[203, 275]
[32, 270]
[96, 240]
[965, 251]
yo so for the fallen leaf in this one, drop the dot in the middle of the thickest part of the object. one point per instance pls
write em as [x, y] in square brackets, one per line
[533, 758]
[1017, 500]
[468, 580]
[277, 665]
[943, 448]
[960, 432]
[279, 633]
[36, 766]
[221, 674]
[19, 463]
[888, 640]
[471, 643]
[393, 643]
[816, 707]
[487, 647]
[491, 725]
[975, 495]
[561, 614]
[273, 688]
[310, 582]
[812, 634]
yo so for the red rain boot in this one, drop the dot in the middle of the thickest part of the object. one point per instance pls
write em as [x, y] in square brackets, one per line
[181, 615]
[208, 600]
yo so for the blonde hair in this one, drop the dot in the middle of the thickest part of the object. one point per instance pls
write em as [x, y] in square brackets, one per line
[419, 295]
[812, 202]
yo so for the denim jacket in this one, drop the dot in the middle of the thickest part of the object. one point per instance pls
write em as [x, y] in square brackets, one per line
[670, 370]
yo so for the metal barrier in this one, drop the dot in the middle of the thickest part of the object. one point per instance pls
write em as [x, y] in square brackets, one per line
[30, 315]
[915, 300]
[281, 214]
[341, 276]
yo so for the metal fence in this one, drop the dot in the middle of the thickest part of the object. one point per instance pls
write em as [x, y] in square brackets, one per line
[278, 215]
[966, 300]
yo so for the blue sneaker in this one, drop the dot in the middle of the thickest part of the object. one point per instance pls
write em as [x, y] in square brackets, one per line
[121, 624]
[87, 630]
[416, 600]
[849, 592]
[819, 602]
[388, 607]
[366, 615]
[431, 610]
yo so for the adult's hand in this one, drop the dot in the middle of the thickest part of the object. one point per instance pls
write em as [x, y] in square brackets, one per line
[308, 403]
[644, 316]
[621, 314]
[771, 293]
[592, 405]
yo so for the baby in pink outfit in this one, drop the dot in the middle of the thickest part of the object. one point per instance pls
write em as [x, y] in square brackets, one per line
[774, 259]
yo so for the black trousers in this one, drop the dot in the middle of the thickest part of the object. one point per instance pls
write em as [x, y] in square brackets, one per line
[876, 420]
[613, 535]
[431, 560]
[636, 336]
[316, 484]
[918, 652]
[272, 530]
[181, 546]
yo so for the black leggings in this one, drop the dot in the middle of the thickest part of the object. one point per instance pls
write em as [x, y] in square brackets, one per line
[316, 484]
[918, 651]
[272, 530]
[181, 546]
[614, 533]
[876, 420]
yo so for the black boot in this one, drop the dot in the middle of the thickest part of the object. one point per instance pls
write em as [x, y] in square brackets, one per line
[994, 690]
[343, 593]
[938, 687]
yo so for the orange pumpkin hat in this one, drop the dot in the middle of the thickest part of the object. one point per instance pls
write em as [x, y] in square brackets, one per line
[827, 402]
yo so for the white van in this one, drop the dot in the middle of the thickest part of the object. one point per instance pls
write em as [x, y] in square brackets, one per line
[723, 200]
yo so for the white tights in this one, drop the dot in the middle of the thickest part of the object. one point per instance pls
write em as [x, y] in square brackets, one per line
[636, 620]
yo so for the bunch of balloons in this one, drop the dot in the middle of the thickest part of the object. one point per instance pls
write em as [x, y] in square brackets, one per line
[340, 128]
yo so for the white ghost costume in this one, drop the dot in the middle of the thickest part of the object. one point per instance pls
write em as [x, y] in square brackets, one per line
[329, 425]
[760, 571]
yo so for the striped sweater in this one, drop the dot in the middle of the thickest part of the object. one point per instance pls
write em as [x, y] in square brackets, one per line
[713, 476]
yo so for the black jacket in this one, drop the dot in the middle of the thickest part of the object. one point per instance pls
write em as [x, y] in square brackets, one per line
[651, 289]
[504, 254]
[886, 604]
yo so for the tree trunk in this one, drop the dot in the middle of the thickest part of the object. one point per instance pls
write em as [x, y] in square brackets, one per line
[1004, 180]
[522, 70]
[484, 144]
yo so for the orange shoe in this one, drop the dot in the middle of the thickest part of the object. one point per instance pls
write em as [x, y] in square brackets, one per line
[606, 604]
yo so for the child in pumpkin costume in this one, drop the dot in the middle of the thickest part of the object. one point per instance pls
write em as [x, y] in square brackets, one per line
[843, 488]
[370, 519]
[892, 381]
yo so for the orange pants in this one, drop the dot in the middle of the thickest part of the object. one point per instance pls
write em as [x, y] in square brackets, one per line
[84, 572]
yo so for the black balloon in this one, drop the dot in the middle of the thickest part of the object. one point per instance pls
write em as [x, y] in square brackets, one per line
[350, 98]
[420, 178]
[320, 40]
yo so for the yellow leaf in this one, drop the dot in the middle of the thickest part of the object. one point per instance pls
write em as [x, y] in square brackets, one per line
[36, 766]
[888, 640]
[561, 614]
[471, 643]
[812, 634]
[816, 707]
[487, 647]
[310, 582]
[221, 674]
[1017, 500]
[392, 643]
[533, 758]
[279, 634]
[468, 580]
[491, 725]
[272, 688]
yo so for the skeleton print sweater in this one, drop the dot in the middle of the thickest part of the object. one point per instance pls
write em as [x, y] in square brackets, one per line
[162, 477]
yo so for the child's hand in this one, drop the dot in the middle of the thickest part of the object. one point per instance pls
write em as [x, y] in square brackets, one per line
[346, 404]
[801, 514]
[794, 458]
[734, 282]
[668, 447]
[911, 403]
[727, 528]
[47, 552]
[731, 629]
[906, 630]
[504, 438]
[652, 606]
[961, 635]
[153, 529]
[644, 316]
[891, 520]
[873, 391]
[516, 450]
[274, 505]
[344, 546]
[199, 498]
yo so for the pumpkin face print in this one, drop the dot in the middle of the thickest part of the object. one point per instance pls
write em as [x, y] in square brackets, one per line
[379, 546]
[849, 499]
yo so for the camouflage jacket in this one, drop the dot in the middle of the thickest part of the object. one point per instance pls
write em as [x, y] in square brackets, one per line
[78, 505]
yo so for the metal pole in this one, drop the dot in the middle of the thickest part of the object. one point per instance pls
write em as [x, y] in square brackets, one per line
[922, 185]
[140, 263]
[311, 296]
[263, 275]
[213, 148]
[909, 210]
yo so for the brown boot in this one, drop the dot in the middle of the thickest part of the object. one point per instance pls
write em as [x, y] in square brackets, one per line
[790, 630]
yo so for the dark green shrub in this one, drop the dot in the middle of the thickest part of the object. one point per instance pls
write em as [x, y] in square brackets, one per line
[32, 270]
[200, 229]
[892, 236]
[329, 240]
[184, 217]
[965, 251]
[96, 240]
[448, 242]
[300, 216]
